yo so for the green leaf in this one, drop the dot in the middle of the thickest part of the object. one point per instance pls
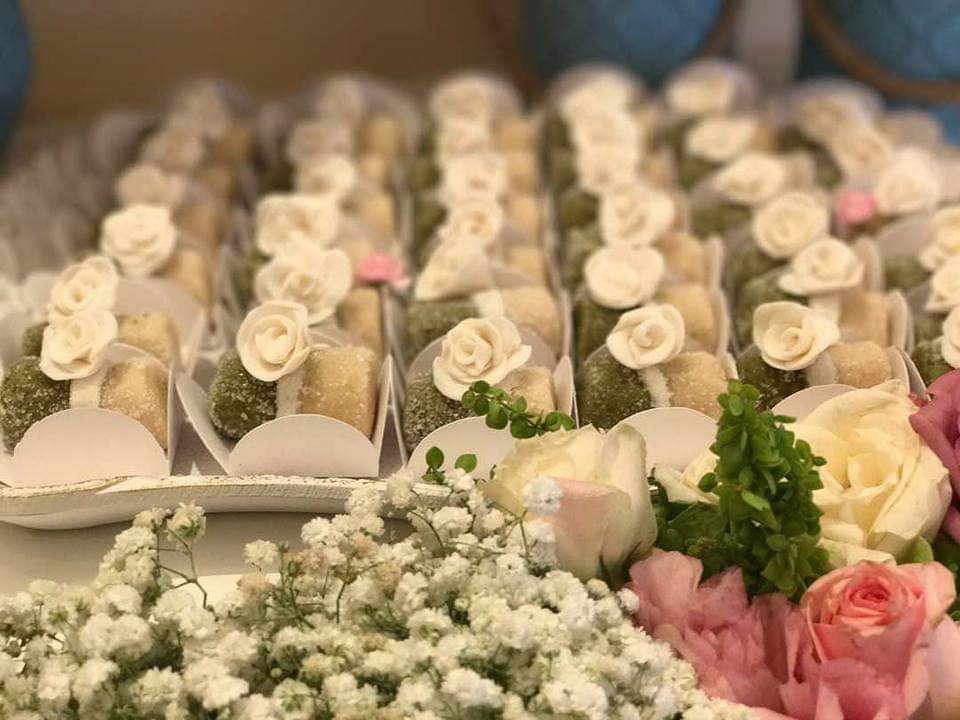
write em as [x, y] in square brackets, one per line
[469, 399]
[921, 552]
[434, 458]
[466, 462]
[521, 428]
[754, 500]
[497, 416]
[480, 387]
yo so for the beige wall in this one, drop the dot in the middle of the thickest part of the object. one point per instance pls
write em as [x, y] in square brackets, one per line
[92, 54]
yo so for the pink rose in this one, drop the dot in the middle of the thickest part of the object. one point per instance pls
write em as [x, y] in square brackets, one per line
[855, 207]
[938, 423]
[381, 267]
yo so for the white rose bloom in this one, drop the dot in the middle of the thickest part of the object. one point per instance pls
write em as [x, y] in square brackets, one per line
[943, 237]
[882, 486]
[76, 347]
[286, 218]
[751, 179]
[788, 223]
[648, 336]
[820, 117]
[859, 149]
[910, 183]
[605, 127]
[702, 93]
[273, 340]
[470, 175]
[88, 285]
[621, 277]
[824, 266]
[458, 266]
[944, 287]
[478, 219]
[140, 239]
[302, 272]
[458, 135]
[720, 139]
[469, 98]
[635, 215]
[606, 92]
[950, 342]
[149, 184]
[333, 175]
[314, 138]
[486, 349]
[605, 517]
[791, 336]
[175, 147]
[605, 169]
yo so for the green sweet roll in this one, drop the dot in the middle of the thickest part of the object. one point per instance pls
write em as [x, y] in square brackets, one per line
[575, 207]
[26, 397]
[428, 215]
[827, 173]
[752, 295]
[904, 273]
[561, 172]
[426, 409]
[240, 402]
[927, 326]
[428, 320]
[593, 323]
[744, 263]
[243, 273]
[423, 174]
[719, 219]
[928, 357]
[555, 134]
[32, 341]
[774, 385]
[578, 244]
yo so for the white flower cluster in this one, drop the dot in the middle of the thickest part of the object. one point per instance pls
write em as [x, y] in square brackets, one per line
[467, 617]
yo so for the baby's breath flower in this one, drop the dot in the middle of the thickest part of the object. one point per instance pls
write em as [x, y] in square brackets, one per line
[261, 554]
[187, 522]
[542, 496]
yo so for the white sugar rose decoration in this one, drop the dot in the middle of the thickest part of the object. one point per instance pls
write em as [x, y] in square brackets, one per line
[943, 237]
[470, 98]
[647, 336]
[140, 239]
[859, 149]
[606, 169]
[911, 182]
[273, 340]
[720, 139]
[341, 98]
[151, 185]
[88, 285]
[635, 215]
[203, 104]
[283, 219]
[482, 174]
[76, 346]
[882, 486]
[317, 278]
[785, 225]
[458, 135]
[477, 219]
[702, 93]
[606, 127]
[621, 277]
[824, 266]
[821, 116]
[751, 179]
[335, 176]
[315, 138]
[485, 349]
[950, 342]
[605, 92]
[945, 287]
[458, 266]
[175, 147]
[791, 336]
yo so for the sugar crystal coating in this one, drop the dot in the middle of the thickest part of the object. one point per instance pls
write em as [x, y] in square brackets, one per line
[529, 261]
[426, 409]
[694, 304]
[904, 273]
[744, 263]
[774, 384]
[579, 243]
[26, 397]
[240, 402]
[575, 208]
[360, 313]
[427, 321]
[32, 341]
[754, 294]
[189, 269]
[719, 219]
[695, 380]
[243, 274]
[684, 256]
[535, 309]
[928, 358]
[593, 323]
[864, 315]
[927, 326]
[152, 332]
[428, 214]
[341, 383]
[137, 387]
[607, 391]
[860, 364]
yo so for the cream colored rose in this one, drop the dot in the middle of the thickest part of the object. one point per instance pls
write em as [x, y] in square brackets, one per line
[621, 277]
[821, 116]
[149, 184]
[175, 147]
[317, 278]
[286, 218]
[482, 174]
[911, 182]
[943, 238]
[720, 139]
[140, 239]
[606, 127]
[88, 285]
[882, 486]
[605, 92]
[648, 336]
[273, 340]
[635, 215]
[684, 487]
[477, 219]
[458, 266]
[457, 135]
[76, 346]
[485, 349]
[605, 518]
[950, 342]
[859, 149]
[944, 287]
[751, 179]
[824, 266]
[314, 138]
[789, 223]
[791, 336]
[606, 169]
[702, 92]
[469, 97]
[335, 176]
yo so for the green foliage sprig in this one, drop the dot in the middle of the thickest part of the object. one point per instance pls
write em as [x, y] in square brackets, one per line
[502, 410]
[436, 474]
[765, 520]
